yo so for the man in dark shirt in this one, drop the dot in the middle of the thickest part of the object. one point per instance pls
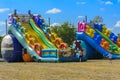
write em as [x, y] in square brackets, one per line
[77, 46]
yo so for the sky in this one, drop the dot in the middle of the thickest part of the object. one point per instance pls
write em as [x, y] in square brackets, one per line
[60, 11]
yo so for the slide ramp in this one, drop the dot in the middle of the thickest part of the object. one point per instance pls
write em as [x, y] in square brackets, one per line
[83, 36]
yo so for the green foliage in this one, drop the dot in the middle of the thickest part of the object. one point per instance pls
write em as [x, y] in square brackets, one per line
[0, 44]
[1, 39]
[97, 19]
[66, 31]
[119, 35]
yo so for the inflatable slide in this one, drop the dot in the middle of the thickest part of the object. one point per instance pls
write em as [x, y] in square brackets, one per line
[97, 40]
[23, 31]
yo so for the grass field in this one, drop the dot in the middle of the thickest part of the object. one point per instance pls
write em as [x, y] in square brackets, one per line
[90, 70]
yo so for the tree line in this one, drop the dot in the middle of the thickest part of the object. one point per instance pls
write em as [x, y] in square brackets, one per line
[66, 31]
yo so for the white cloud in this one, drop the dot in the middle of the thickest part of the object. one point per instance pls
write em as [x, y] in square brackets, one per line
[81, 16]
[117, 24]
[116, 28]
[78, 3]
[102, 9]
[2, 23]
[4, 9]
[108, 3]
[2, 33]
[53, 11]
[111, 28]
[55, 24]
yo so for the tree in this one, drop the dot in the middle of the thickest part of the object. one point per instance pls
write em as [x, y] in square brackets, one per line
[0, 45]
[66, 31]
[1, 37]
[97, 19]
[119, 35]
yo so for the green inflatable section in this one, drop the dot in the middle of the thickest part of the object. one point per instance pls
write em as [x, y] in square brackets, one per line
[41, 34]
[113, 46]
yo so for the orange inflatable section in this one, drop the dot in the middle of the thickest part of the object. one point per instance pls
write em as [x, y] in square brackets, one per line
[118, 42]
[27, 58]
[105, 44]
[58, 42]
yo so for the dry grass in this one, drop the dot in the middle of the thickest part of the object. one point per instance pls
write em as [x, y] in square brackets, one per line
[90, 70]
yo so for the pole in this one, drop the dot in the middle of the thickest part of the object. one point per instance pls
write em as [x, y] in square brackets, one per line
[6, 27]
[29, 12]
[86, 19]
[15, 12]
[49, 21]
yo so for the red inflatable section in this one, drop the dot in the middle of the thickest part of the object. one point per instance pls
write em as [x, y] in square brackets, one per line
[63, 45]
[38, 49]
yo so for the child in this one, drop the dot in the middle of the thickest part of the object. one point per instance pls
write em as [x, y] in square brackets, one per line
[80, 56]
[110, 57]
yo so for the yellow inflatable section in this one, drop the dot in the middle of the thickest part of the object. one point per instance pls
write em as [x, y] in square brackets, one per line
[89, 31]
[57, 41]
[32, 35]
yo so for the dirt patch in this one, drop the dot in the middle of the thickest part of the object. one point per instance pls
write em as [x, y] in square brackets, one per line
[90, 70]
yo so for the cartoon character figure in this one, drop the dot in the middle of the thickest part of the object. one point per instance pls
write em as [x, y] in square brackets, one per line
[77, 45]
